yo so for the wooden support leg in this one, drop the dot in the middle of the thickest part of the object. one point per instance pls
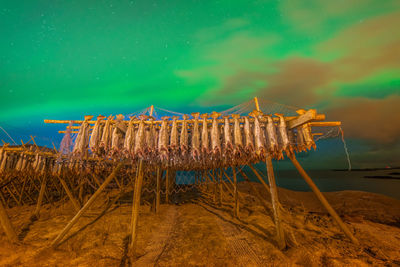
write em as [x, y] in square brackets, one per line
[7, 226]
[322, 199]
[259, 178]
[40, 198]
[75, 202]
[135, 207]
[275, 204]
[159, 173]
[167, 186]
[235, 194]
[68, 227]
[220, 187]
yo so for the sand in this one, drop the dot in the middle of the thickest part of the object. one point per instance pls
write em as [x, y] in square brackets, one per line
[197, 232]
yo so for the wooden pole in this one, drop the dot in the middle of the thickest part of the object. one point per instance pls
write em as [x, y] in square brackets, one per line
[75, 202]
[259, 177]
[167, 186]
[159, 173]
[235, 194]
[41, 194]
[220, 187]
[322, 199]
[136, 205]
[68, 227]
[256, 103]
[6, 223]
[275, 203]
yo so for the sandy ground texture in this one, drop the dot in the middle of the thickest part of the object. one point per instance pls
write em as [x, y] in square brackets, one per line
[195, 231]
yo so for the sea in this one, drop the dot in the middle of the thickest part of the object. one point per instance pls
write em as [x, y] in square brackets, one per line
[330, 180]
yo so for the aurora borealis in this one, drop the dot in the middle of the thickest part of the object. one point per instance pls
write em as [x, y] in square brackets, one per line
[65, 59]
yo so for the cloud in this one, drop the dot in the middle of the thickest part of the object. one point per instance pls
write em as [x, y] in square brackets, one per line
[370, 119]
[315, 16]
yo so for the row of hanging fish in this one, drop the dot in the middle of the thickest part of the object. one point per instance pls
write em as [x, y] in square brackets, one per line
[195, 142]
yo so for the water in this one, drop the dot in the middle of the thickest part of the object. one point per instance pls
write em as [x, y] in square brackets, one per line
[328, 181]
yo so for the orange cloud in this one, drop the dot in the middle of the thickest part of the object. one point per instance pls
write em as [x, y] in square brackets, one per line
[371, 119]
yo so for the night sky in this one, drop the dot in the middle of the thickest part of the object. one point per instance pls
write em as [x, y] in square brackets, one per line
[65, 59]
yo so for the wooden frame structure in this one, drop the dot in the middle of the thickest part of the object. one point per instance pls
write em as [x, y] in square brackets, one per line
[72, 184]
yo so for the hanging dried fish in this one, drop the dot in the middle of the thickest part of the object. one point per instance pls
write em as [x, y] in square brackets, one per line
[228, 145]
[237, 135]
[105, 142]
[129, 141]
[163, 140]
[301, 146]
[173, 144]
[19, 163]
[196, 137]
[292, 140]
[204, 136]
[140, 138]
[183, 142]
[150, 146]
[284, 135]
[82, 140]
[215, 135]
[3, 162]
[259, 137]
[249, 148]
[118, 135]
[272, 139]
[308, 138]
[96, 135]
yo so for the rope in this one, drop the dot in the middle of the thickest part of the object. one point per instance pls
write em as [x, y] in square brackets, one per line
[8, 135]
[345, 148]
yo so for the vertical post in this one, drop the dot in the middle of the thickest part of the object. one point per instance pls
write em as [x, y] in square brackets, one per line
[151, 110]
[235, 194]
[256, 103]
[275, 203]
[6, 223]
[41, 194]
[159, 173]
[214, 179]
[167, 186]
[220, 187]
[136, 206]
[322, 199]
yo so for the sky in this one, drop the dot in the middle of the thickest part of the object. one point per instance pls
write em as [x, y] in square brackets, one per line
[66, 59]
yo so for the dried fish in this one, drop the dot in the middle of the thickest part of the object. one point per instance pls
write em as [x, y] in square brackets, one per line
[82, 140]
[204, 136]
[237, 135]
[129, 142]
[283, 132]
[140, 138]
[228, 146]
[163, 140]
[196, 137]
[259, 137]
[273, 145]
[183, 142]
[249, 148]
[215, 135]
[96, 135]
[308, 138]
[105, 142]
[173, 144]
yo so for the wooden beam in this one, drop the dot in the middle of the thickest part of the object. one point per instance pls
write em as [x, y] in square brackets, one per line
[275, 204]
[304, 118]
[322, 199]
[135, 207]
[235, 194]
[71, 223]
[159, 173]
[7, 226]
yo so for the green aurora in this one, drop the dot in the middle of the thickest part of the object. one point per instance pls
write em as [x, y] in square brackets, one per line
[65, 59]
